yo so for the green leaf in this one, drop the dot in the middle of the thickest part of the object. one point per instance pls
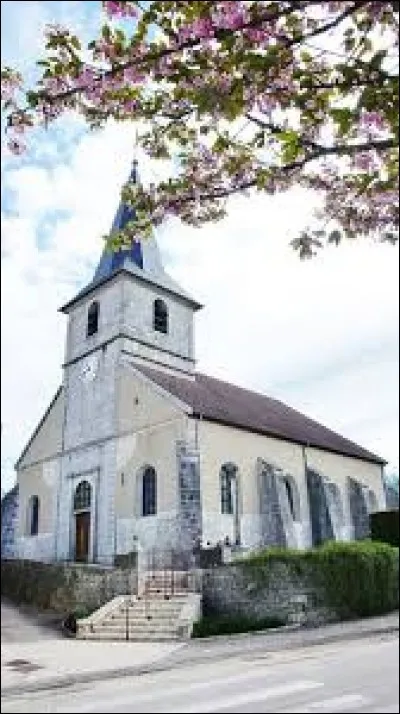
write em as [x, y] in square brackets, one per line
[335, 237]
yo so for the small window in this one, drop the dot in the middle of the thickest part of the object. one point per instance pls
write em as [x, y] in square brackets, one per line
[160, 316]
[149, 492]
[227, 483]
[93, 319]
[33, 516]
[83, 496]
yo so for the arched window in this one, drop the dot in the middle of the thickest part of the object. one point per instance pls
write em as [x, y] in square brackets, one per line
[83, 496]
[93, 318]
[228, 485]
[33, 516]
[160, 316]
[149, 491]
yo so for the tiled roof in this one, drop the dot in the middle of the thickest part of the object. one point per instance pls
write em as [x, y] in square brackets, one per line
[222, 402]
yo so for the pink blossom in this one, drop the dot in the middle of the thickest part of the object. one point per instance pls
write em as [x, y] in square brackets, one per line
[230, 15]
[200, 28]
[376, 9]
[336, 6]
[120, 9]
[364, 161]
[17, 123]
[372, 120]
[85, 78]
[10, 83]
[134, 75]
[258, 35]
[265, 103]
[16, 146]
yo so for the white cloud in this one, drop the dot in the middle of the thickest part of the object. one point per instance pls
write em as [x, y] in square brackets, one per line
[321, 335]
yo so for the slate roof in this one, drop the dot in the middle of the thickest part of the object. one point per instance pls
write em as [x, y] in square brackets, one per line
[225, 403]
[163, 281]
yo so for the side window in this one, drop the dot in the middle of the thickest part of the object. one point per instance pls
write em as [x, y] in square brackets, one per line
[228, 487]
[149, 491]
[33, 516]
[160, 317]
[93, 319]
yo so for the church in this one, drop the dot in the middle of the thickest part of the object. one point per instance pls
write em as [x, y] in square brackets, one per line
[137, 446]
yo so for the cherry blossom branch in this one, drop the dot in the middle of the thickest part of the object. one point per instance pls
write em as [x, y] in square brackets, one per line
[322, 151]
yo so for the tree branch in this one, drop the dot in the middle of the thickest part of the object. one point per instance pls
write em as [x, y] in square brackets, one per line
[193, 42]
[340, 150]
[329, 25]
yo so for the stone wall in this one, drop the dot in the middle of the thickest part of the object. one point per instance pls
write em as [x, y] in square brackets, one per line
[9, 521]
[321, 518]
[64, 587]
[358, 510]
[234, 590]
[190, 511]
[328, 584]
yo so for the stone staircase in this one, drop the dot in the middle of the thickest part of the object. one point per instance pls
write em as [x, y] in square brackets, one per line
[163, 610]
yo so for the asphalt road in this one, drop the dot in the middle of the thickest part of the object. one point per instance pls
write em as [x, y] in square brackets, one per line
[355, 676]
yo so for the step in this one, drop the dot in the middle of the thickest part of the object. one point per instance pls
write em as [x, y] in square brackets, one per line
[143, 617]
[149, 610]
[138, 626]
[139, 622]
[137, 632]
[116, 636]
[163, 592]
[158, 601]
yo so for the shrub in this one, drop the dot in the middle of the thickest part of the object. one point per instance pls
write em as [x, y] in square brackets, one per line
[358, 579]
[228, 625]
[384, 527]
[354, 579]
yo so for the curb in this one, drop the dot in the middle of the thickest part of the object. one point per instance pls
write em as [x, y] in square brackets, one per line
[162, 665]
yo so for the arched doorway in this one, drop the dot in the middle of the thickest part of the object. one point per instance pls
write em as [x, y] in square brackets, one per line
[82, 506]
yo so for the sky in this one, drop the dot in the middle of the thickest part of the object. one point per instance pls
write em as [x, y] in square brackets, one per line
[320, 335]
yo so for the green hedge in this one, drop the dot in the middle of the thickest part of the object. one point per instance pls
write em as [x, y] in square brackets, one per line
[384, 526]
[229, 625]
[354, 579]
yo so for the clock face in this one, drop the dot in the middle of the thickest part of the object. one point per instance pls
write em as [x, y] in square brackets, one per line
[90, 367]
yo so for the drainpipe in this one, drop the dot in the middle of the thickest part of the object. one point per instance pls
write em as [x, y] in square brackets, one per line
[304, 454]
[58, 499]
[196, 430]
[384, 487]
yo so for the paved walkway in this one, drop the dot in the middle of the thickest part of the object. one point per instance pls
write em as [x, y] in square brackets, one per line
[20, 624]
[30, 663]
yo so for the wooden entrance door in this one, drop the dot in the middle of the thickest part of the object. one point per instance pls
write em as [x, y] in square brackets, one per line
[82, 532]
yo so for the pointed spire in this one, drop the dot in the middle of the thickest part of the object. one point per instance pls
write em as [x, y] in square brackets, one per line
[111, 260]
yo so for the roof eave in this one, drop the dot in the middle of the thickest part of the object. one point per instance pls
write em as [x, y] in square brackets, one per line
[90, 288]
[38, 427]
